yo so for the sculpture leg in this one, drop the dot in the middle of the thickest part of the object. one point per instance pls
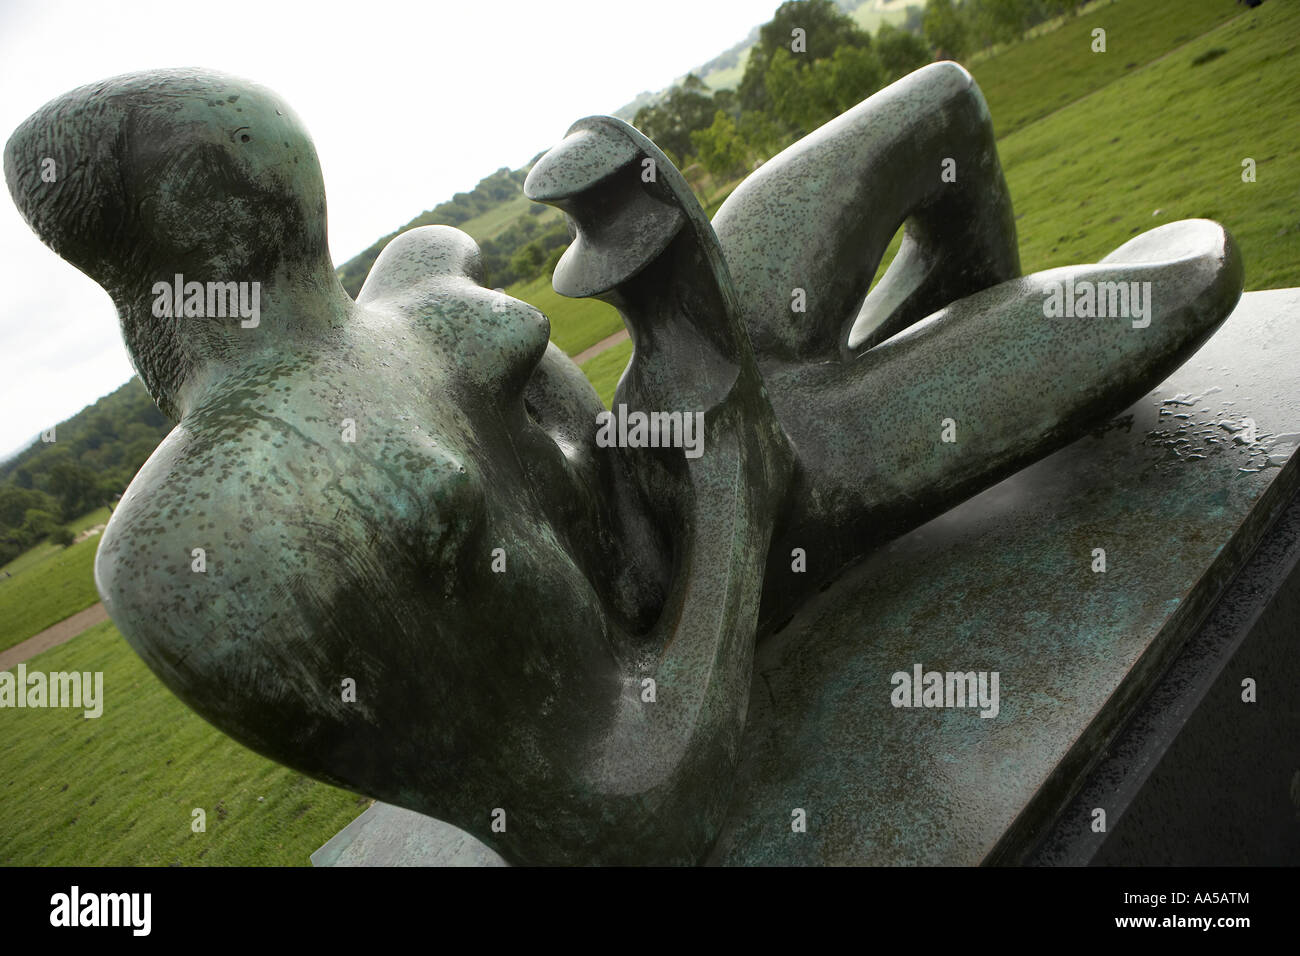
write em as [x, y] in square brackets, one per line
[987, 386]
[819, 216]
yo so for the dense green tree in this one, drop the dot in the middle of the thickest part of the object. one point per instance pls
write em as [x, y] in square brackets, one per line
[16, 502]
[101, 430]
[945, 29]
[900, 52]
[855, 73]
[763, 136]
[806, 98]
[792, 96]
[824, 29]
[528, 261]
[688, 107]
[553, 260]
[74, 486]
[37, 525]
[111, 485]
[498, 255]
[721, 148]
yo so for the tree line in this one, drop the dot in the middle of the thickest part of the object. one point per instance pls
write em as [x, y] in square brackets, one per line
[84, 463]
[812, 62]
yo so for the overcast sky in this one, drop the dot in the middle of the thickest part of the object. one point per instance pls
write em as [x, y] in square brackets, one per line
[408, 103]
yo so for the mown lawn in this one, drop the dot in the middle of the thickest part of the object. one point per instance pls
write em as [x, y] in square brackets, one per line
[1167, 143]
[120, 789]
[46, 590]
[576, 324]
[606, 369]
[1030, 80]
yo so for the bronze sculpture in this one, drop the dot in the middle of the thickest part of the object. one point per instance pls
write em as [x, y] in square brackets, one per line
[534, 623]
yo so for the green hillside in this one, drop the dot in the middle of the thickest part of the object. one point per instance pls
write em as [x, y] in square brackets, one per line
[491, 224]
[1031, 80]
[1167, 142]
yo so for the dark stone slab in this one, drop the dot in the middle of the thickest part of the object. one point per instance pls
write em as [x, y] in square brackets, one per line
[1199, 776]
[385, 835]
[1004, 583]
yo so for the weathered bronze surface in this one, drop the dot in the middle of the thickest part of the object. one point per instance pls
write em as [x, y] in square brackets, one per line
[1175, 491]
[551, 641]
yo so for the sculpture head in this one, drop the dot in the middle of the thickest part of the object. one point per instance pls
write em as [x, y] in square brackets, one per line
[144, 176]
[148, 168]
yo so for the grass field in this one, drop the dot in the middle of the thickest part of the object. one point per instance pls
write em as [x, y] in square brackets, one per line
[1167, 143]
[1030, 80]
[576, 324]
[47, 590]
[605, 369]
[120, 789]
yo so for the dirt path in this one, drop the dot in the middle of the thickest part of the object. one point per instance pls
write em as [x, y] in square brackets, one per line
[606, 343]
[53, 636]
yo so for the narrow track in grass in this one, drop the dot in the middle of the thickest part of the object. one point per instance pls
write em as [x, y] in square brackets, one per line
[53, 636]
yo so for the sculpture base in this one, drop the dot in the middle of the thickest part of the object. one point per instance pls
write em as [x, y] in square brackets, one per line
[385, 835]
[1198, 777]
[1115, 687]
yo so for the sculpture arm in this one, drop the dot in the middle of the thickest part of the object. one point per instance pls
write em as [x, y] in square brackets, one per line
[669, 754]
[820, 215]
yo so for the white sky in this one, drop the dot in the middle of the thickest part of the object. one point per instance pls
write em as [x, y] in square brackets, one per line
[408, 103]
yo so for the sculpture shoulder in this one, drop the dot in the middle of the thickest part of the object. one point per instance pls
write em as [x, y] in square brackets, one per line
[428, 256]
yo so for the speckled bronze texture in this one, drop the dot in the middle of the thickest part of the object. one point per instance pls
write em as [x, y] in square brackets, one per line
[1177, 497]
[385, 544]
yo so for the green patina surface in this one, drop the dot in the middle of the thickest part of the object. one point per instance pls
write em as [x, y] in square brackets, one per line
[405, 492]
[1004, 582]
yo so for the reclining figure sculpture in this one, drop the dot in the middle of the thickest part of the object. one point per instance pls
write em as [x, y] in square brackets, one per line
[404, 495]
